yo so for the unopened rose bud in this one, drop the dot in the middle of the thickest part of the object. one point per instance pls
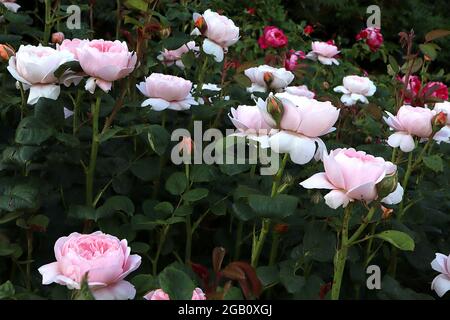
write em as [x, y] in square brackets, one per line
[268, 78]
[326, 85]
[6, 52]
[387, 212]
[427, 58]
[165, 32]
[387, 185]
[439, 121]
[368, 140]
[275, 108]
[186, 145]
[281, 228]
[57, 37]
[200, 24]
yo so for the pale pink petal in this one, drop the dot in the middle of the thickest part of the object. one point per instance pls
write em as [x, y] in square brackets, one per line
[49, 272]
[441, 284]
[336, 198]
[122, 290]
[440, 263]
[318, 181]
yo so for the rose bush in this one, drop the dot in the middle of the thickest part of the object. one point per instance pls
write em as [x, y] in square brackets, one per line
[231, 151]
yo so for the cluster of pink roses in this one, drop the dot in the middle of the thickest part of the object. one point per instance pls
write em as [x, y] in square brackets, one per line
[416, 94]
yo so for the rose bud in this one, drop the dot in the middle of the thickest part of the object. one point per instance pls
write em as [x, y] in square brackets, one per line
[387, 185]
[186, 145]
[308, 30]
[387, 212]
[439, 121]
[275, 108]
[165, 32]
[268, 78]
[57, 37]
[200, 24]
[6, 52]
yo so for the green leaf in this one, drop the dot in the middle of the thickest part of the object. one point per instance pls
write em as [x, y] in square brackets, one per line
[140, 247]
[434, 162]
[10, 216]
[195, 194]
[394, 65]
[280, 206]
[7, 290]
[398, 239]
[158, 138]
[429, 50]
[182, 211]
[71, 65]
[176, 284]
[144, 283]
[32, 130]
[288, 277]
[20, 197]
[140, 5]
[268, 275]
[146, 169]
[113, 204]
[108, 134]
[435, 34]
[82, 212]
[318, 242]
[177, 183]
[166, 208]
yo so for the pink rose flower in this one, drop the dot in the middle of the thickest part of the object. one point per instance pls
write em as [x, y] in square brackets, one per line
[57, 37]
[412, 89]
[356, 89]
[436, 90]
[308, 30]
[441, 283]
[409, 122]
[159, 294]
[352, 175]
[10, 5]
[373, 37]
[302, 91]
[303, 121]
[292, 57]
[105, 62]
[220, 33]
[324, 52]
[72, 46]
[34, 67]
[272, 37]
[266, 77]
[105, 259]
[167, 92]
[170, 57]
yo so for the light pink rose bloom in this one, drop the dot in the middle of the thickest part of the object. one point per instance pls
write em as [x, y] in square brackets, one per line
[72, 46]
[301, 91]
[167, 92]
[105, 258]
[443, 135]
[159, 294]
[353, 175]
[409, 122]
[265, 77]
[34, 67]
[304, 120]
[105, 62]
[220, 33]
[170, 57]
[10, 5]
[324, 52]
[250, 123]
[356, 89]
[441, 283]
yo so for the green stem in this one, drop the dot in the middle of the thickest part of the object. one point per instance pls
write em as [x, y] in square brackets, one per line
[405, 184]
[162, 240]
[369, 245]
[258, 245]
[90, 171]
[363, 226]
[341, 255]
[188, 250]
[29, 257]
[274, 248]
[76, 111]
[237, 245]
[23, 105]
[118, 19]
[48, 22]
